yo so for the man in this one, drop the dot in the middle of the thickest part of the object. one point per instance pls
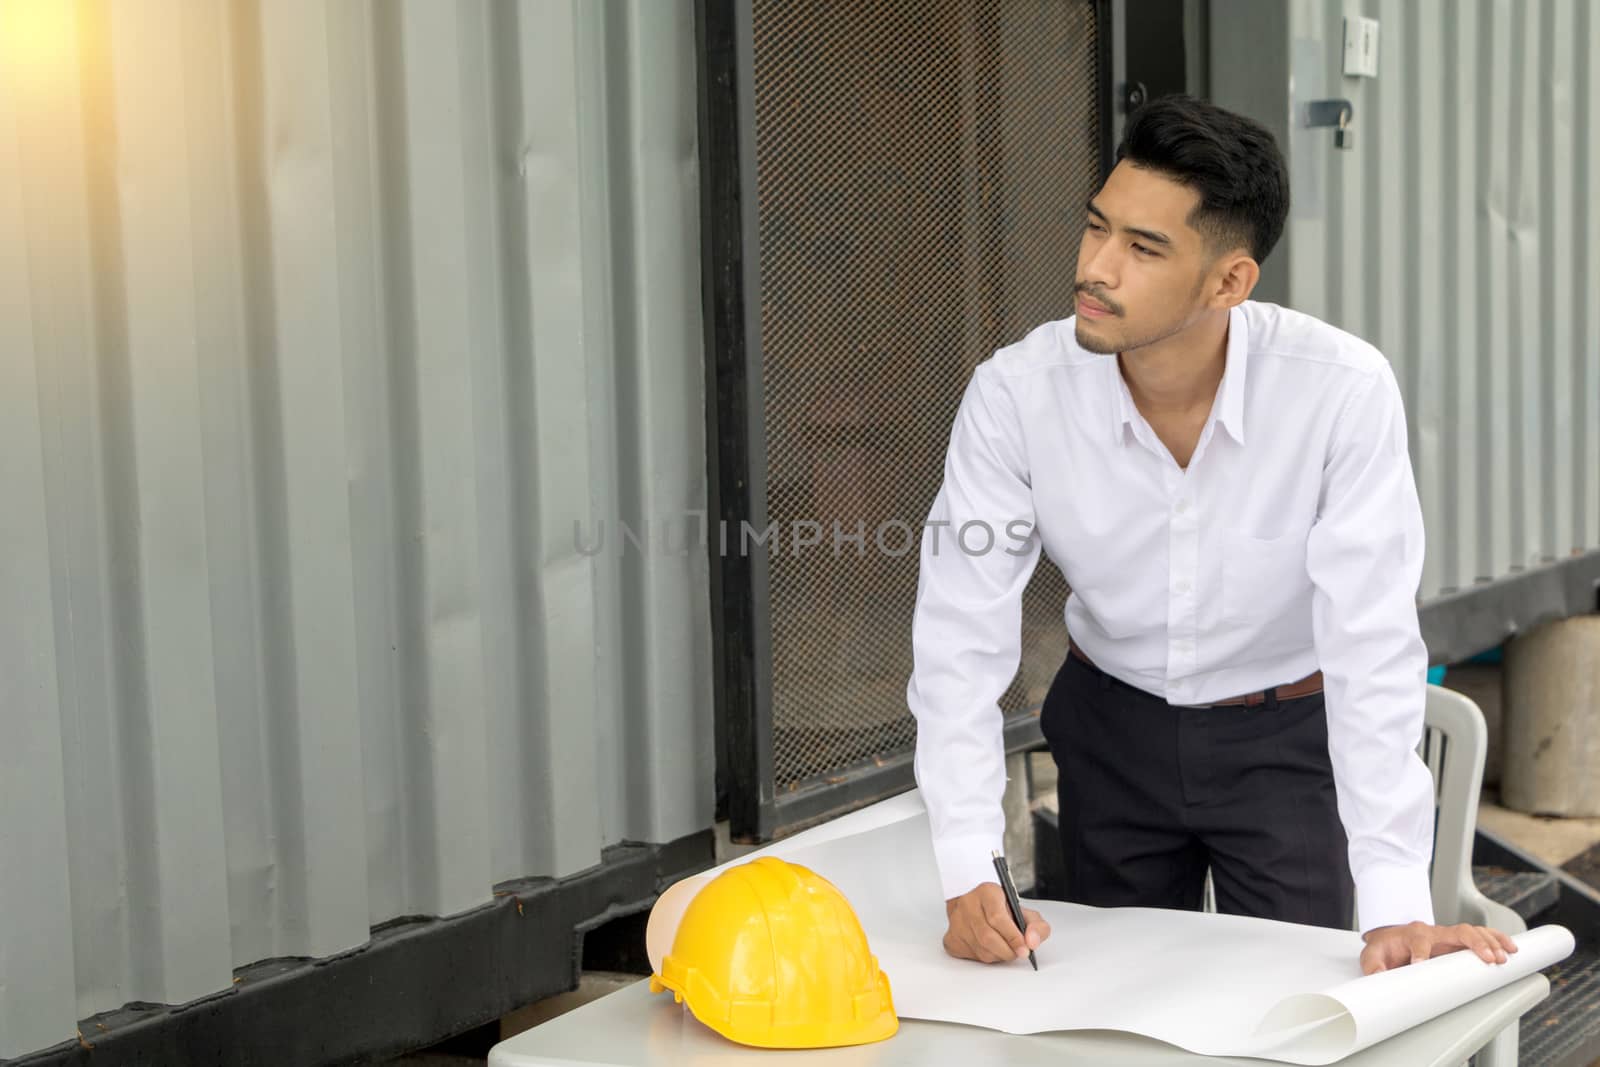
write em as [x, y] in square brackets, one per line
[1226, 488]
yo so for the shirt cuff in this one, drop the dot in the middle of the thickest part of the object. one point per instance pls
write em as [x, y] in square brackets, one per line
[1393, 896]
[965, 862]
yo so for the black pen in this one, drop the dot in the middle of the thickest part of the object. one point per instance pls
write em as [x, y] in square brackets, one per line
[1013, 901]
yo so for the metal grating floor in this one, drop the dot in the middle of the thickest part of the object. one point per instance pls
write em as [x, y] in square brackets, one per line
[1564, 1030]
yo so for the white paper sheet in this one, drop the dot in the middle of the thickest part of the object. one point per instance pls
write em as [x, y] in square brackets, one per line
[1213, 984]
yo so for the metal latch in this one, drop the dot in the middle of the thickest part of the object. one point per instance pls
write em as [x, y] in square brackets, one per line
[1336, 113]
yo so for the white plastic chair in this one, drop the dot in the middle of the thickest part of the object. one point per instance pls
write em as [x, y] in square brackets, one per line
[1455, 743]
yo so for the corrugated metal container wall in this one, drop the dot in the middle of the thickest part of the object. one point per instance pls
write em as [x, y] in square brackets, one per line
[1461, 235]
[323, 329]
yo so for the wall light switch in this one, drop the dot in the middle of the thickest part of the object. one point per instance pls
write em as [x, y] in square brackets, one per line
[1360, 47]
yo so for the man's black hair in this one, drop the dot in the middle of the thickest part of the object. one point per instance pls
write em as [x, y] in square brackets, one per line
[1233, 163]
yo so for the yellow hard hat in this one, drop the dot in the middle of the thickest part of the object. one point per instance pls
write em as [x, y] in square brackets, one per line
[770, 953]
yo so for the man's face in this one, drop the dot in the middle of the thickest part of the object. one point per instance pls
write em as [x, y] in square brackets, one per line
[1140, 259]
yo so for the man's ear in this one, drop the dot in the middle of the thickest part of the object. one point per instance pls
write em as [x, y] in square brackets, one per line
[1234, 278]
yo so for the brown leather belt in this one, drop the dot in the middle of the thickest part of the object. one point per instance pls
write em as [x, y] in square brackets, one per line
[1311, 683]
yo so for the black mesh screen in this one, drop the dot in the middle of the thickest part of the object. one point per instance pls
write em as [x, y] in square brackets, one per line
[921, 170]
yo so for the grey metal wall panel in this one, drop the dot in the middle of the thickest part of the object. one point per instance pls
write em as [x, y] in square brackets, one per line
[33, 784]
[324, 327]
[1458, 235]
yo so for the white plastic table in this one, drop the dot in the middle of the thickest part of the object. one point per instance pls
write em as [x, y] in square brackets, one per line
[632, 1028]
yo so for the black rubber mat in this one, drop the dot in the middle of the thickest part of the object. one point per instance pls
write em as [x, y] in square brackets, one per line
[1585, 866]
[1525, 892]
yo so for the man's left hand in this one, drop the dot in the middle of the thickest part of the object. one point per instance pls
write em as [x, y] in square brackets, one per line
[1396, 946]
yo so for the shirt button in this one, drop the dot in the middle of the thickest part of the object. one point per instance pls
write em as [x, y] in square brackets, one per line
[1182, 587]
[1181, 507]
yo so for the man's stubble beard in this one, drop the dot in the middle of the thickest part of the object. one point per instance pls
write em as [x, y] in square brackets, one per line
[1098, 347]
[1111, 348]
[1102, 347]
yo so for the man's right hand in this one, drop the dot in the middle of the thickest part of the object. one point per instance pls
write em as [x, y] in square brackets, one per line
[981, 928]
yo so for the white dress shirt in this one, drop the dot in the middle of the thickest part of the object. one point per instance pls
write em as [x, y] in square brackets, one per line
[1292, 541]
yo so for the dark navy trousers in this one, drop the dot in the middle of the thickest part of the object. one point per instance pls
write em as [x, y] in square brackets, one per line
[1152, 793]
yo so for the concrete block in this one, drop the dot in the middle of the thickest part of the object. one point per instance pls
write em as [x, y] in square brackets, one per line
[1552, 719]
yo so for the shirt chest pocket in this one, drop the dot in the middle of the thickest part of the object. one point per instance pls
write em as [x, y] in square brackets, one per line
[1266, 590]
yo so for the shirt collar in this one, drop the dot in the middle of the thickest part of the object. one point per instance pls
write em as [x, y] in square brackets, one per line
[1123, 408]
[1230, 409]
[1230, 391]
